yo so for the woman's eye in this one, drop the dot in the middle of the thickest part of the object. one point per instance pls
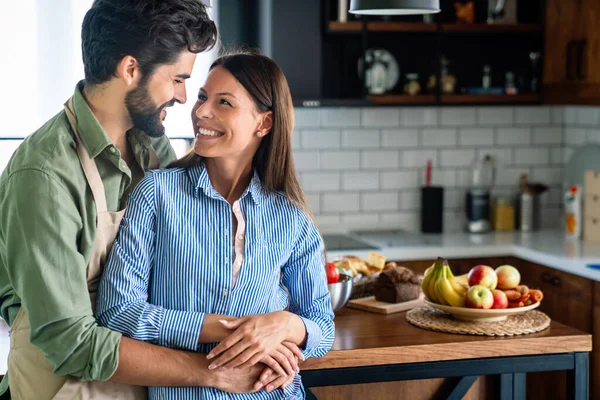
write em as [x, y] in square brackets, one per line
[178, 81]
[223, 101]
[202, 97]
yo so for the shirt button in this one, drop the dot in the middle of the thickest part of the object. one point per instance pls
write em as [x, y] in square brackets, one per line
[226, 231]
[112, 150]
[225, 292]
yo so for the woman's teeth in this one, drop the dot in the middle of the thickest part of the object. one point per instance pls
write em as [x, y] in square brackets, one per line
[207, 132]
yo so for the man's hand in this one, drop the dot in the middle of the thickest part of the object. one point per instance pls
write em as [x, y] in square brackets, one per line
[243, 380]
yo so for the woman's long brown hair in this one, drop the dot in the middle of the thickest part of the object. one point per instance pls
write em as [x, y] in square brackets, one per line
[264, 81]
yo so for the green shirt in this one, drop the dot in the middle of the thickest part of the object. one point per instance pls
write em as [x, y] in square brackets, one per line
[47, 230]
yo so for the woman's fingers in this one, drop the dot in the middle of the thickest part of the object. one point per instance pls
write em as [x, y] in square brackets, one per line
[294, 349]
[272, 367]
[230, 354]
[279, 382]
[283, 360]
[256, 358]
[226, 343]
[291, 357]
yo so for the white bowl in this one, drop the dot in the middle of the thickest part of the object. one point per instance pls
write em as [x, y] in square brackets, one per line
[479, 315]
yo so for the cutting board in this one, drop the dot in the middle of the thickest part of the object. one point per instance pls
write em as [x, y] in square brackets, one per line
[380, 307]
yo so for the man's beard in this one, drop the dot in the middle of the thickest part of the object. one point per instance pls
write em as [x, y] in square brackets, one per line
[143, 112]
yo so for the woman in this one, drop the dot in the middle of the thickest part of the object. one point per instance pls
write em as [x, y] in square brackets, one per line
[215, 249]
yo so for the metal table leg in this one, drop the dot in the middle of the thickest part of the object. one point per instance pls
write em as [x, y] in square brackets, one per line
[578, 378]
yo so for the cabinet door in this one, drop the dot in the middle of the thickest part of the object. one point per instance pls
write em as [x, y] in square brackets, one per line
[591, 35]
[563, 27]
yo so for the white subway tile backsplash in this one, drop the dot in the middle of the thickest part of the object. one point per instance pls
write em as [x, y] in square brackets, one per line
[457, 158]
[496, 116]
[439, 137]
[476, 137]
[314, 201]
[557, 114]
[328, 222]
[532, 156]
[320, 139]
[571, 117]
[340, 202]
[458, 116]
[361, 221]
[454, 221]
[307, 117]
[407, 221]
[502, 156]
[360, 181]
[340, 117]
[557, 156]
[380, 159]
[439, 177]
[360, 138]
[532, 115]
[463, 178]
[588, 116]
[399, 138]
[340, 160]
[379, 201]
[380, 117]
[454, 199]
[410, 200]
[295, 140]
[512, 136]
[418, 158]
[419, 117]
[307, 160]
[547, 176]
[575, 136]
[593, 135]
[399, 180]
[568, 153]
[547, 135]
[320, 181]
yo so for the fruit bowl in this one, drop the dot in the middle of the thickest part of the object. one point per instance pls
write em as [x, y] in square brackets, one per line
[478, 314]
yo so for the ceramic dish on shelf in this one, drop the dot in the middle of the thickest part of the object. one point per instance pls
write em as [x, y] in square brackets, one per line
[480, 315]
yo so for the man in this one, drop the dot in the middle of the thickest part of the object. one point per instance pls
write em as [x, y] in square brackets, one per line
[60, 197]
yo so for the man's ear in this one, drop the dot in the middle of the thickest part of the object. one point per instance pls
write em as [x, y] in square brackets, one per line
[129, 70]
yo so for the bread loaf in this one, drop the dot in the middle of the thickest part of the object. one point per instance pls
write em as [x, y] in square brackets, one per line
[396, 285]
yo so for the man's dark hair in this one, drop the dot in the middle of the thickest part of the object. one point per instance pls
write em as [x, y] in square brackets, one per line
[154, 32]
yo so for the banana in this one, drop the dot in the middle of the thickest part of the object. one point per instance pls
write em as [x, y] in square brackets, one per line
[450, 295]
[434, 287]
[458, 286]
[463, 279]
[425, 284]
[428, 286]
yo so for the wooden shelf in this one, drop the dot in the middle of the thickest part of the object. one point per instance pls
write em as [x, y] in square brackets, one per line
[402, 99]
[381, 26]
[529, 98]
[484, 28]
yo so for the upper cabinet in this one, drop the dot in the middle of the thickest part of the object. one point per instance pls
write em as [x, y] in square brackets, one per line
[572, 52]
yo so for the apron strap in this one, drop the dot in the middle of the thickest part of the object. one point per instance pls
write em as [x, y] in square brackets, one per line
[89, 166]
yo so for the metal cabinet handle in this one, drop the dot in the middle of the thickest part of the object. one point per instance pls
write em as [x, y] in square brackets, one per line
[580, 58]
[570, 47]
[556, 281]
[546, 277]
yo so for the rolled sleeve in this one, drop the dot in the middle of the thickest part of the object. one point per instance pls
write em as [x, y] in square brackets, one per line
[304, 276]
[48, 274]
[122, 302]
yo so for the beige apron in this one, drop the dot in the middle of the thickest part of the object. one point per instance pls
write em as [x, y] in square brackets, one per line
[30, 373]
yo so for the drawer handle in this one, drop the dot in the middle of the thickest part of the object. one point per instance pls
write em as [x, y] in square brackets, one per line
[556, 281]
[546, 277]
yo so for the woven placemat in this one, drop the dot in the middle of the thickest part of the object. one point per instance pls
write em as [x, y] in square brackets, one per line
[517, 324]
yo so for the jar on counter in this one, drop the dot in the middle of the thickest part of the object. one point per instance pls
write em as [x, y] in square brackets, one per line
[503, 215]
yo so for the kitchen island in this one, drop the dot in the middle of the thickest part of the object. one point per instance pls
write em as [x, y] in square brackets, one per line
[373, 348]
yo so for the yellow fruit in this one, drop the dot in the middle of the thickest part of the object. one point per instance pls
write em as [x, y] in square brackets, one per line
[447, 291]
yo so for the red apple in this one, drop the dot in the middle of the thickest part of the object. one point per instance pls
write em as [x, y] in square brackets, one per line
[479, 297]
[508, 277]
[500, 299]
[484, 276]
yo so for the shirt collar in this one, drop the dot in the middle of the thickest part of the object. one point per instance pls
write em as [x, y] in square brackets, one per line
[199, 175]
[92, 134]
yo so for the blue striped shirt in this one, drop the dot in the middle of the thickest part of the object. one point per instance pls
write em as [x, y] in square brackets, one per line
[171, 264]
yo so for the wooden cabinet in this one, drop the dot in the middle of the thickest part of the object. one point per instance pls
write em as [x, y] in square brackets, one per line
[595, 355]
[572, 52]
[568, 299]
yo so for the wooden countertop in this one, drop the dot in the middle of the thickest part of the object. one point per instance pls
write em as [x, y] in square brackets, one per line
[364, 338]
